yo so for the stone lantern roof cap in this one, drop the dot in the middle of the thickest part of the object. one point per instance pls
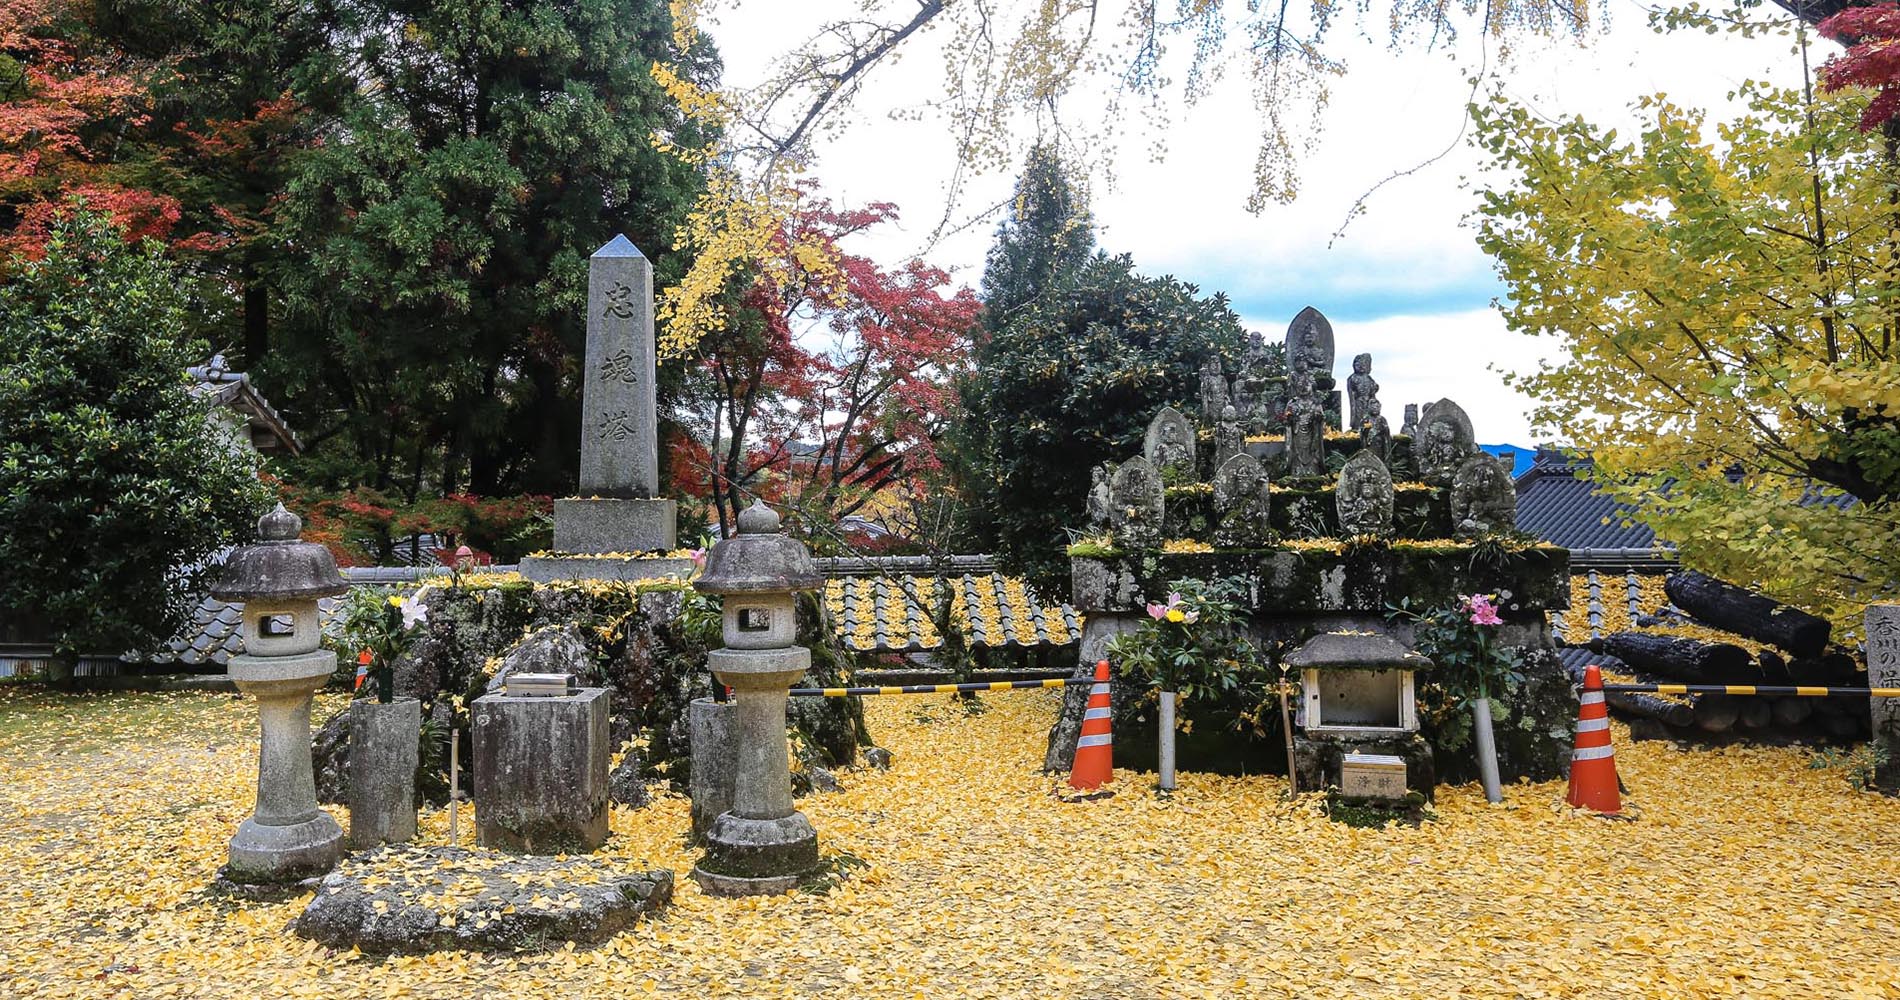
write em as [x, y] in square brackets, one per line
[278, 566]
[759, 559]
[1355, 651]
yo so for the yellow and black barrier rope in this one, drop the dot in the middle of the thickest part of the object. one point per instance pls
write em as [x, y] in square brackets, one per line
[1053, 682]
[1756, 689]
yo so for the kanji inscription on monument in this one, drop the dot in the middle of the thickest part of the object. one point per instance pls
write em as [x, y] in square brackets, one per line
[620, 455]
[1883, 671]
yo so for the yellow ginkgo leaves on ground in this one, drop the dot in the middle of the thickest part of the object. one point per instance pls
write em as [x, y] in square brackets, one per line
[1750, 875]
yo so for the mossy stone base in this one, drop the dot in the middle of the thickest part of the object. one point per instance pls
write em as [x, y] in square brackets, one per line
[761, 848]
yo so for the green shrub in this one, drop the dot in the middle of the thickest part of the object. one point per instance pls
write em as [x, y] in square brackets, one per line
[116, 491]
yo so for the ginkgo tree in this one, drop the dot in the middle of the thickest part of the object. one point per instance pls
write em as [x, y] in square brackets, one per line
[1723, 299]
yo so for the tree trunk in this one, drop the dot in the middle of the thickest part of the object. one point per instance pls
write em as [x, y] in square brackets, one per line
[1733, 609]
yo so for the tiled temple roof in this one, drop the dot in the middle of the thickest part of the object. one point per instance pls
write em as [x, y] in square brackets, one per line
[869, 613]
[893, 613]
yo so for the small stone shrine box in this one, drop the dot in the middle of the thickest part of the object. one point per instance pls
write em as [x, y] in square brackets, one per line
[279, 580]
[541, 748]
[1358, 718]
[760, 846]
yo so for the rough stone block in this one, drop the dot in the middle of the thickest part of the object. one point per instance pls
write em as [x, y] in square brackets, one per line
[713, 762]
[382, 762]
[541, 772]
[599, 525]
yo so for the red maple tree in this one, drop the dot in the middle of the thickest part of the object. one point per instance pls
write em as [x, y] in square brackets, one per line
[1872, 38]
[833, 389]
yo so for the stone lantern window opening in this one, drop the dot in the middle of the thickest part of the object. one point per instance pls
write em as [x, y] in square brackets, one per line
[280, 627]
[1358, 702]
[759, 621]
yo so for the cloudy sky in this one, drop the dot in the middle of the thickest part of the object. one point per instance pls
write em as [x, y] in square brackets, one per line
[1405, 281]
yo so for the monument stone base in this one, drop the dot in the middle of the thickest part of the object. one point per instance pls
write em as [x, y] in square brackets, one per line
[541, 772]
[627, 569]
[1320, 759]
[600, 525]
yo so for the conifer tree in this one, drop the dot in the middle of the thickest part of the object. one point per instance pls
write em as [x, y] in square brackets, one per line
[1047, 234]
[436, 242]
[1077, 353]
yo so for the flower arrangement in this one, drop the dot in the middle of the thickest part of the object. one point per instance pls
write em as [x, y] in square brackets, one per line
[380, 626]
[1190, 644]
[1468, 665]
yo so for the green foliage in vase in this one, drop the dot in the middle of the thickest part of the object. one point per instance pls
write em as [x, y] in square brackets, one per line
[1467, 664]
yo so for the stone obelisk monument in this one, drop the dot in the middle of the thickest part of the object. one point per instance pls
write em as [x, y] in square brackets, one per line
[610, 530]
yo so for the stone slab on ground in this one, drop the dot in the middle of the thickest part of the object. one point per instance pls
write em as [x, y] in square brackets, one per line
[414, 900]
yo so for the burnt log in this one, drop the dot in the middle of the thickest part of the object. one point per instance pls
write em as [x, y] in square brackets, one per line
[1756, 713]
[1687, 660]
[1745, 613]
[1791, 712]
[1717, 713]
[1675, 710]
[1651, 706]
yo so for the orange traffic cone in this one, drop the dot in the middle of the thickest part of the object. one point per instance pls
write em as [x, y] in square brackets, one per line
[1094, 749]
[1593, 783]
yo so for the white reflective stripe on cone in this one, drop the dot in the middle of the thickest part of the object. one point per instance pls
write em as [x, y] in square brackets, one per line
[1592, 753]
[1098, 740]
[1098, 688]
[1592, 725]
[1095, 713]
[1591, 698]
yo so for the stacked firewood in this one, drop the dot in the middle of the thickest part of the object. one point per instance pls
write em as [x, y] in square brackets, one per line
[1794, 650]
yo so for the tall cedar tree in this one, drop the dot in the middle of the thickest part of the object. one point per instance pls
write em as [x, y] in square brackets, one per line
[1072, 381]
[115, 491]
[176, 118]
[1047, 234]
[249, 84]
[435, 243]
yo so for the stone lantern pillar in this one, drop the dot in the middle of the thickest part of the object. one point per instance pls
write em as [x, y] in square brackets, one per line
[761, 845]
[279, 580]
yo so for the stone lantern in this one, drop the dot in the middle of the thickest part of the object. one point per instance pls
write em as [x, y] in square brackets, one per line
[279, 580]
[1358, 717]
[761, 845]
